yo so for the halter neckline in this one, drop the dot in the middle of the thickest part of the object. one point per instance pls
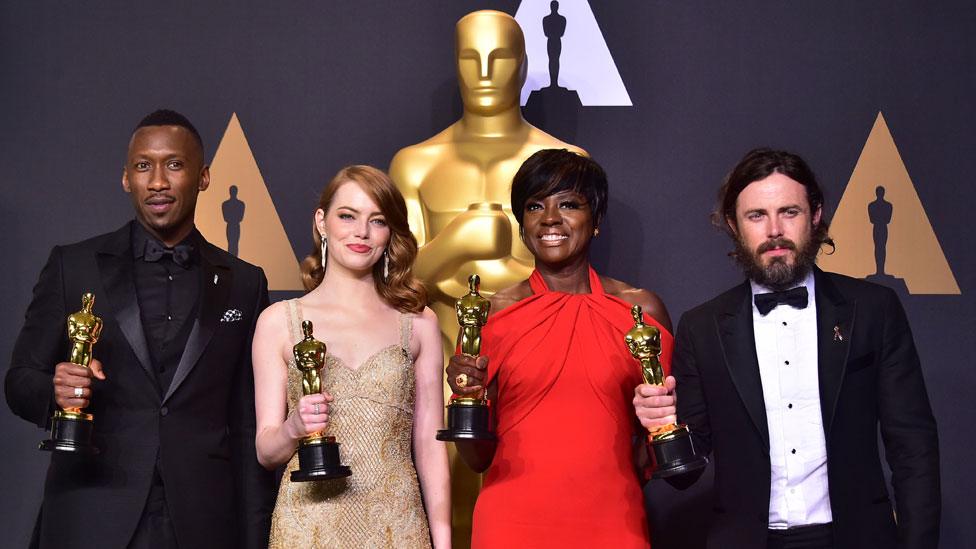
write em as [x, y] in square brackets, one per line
[539, 285]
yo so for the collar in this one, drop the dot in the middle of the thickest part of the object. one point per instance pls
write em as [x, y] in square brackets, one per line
[138, 237]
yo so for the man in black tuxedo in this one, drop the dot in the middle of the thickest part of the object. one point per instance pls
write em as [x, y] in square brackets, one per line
[171, 387]
[786, 378]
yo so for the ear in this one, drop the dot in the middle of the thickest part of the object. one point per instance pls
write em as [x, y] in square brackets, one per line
[732, 225]
[204, 178]
[320, 220]
[817, 215]
[125, 181]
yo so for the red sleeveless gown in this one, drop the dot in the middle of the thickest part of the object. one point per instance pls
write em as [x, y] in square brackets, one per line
[563, 473]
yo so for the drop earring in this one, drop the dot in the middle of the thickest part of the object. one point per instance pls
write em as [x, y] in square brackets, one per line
[386, 266]
[324, 247]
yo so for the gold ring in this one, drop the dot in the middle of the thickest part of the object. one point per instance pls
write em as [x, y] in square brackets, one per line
[461, 380]
[79, 392]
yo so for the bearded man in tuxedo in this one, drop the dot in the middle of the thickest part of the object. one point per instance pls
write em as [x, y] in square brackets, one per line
[787, 377]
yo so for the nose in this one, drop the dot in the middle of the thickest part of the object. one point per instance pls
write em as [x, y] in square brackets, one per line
[362, 229]
[484, 66]
[158, 178]
[774, 228]
[550, 215]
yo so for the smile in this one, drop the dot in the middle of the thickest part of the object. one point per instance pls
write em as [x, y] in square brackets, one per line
[553, 237]
[359, 248]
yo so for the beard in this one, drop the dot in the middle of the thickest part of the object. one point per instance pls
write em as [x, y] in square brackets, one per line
[778, 275]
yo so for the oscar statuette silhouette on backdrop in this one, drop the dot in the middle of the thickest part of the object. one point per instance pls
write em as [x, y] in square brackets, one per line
[554, 107]
[233, 211]
[457, 186]
[880, 212]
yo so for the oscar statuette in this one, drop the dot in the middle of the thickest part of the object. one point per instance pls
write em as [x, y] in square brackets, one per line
[467, 415]
[71, 429]
[671, 447]
[318, 454]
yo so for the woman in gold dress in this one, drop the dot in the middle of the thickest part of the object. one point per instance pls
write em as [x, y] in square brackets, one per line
[382, 382]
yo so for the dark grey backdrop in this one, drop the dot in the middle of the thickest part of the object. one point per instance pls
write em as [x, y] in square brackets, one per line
[318, 85]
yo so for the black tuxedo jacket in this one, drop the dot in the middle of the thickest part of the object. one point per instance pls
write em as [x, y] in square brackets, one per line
[202, 428]
[869, 375]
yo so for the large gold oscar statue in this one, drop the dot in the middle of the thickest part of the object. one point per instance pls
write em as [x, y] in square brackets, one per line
[458, 183]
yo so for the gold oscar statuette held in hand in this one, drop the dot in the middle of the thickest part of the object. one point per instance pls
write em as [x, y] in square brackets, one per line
[71, 428]
[318, 454]
[671, 447]
[467, 415]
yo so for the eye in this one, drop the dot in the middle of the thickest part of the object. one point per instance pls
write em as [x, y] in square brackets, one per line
[570, 205]
[378, 221]
[175, 165]
[792, 212]
[754, 216]
[345, 216]
[501, 53]
[533, 206]
[142, 165]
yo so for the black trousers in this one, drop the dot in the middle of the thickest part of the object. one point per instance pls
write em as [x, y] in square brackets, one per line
[814, 536]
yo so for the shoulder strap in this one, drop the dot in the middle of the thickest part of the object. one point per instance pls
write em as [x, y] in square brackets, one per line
[406, 326]
[294, 311]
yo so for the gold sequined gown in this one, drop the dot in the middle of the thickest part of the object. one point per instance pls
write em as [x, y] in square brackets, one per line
[372, 419]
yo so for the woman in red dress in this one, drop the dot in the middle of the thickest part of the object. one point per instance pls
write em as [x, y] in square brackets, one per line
[564, 471]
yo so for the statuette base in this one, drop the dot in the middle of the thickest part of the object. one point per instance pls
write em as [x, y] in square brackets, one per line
[70, 432]
[673, 453]
[467, 419]
[318, 459]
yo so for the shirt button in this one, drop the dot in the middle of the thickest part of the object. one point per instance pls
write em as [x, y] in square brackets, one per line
[784, 323]
[168, 317]
[170, 278]
[793, 451]
[163, 411]
[790, 406]
[787, 362]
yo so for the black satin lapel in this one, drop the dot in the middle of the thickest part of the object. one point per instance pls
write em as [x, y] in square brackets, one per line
[739, 346]
[119, 282]
[214, 292]
[835, 325]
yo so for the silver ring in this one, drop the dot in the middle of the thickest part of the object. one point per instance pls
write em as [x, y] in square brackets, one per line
[79, 392]
[316, 408]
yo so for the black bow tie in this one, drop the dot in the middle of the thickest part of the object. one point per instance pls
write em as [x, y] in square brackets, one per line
[181, 254]
[796, 298]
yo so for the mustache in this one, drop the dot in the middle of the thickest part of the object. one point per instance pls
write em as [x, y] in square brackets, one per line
[774, 243]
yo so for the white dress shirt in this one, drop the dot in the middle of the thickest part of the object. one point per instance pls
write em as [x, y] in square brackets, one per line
[786, 345]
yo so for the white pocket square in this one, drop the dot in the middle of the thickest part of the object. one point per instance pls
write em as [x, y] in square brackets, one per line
[231, 315]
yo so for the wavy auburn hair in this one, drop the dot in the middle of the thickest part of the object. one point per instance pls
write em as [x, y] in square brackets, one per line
[402, 290]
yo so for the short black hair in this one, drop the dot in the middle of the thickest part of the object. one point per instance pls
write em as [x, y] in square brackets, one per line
[167, 117]
[758, 164]
[552, 171]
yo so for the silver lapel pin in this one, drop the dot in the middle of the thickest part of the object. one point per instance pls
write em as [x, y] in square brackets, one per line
[837, 335]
